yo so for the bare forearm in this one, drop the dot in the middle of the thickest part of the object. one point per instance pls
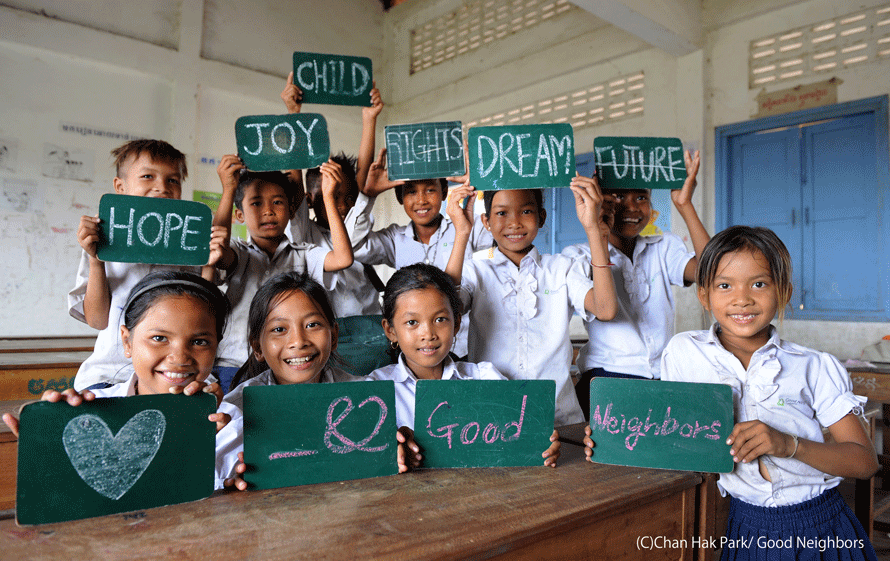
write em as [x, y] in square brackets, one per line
[97, 300]
[455, 265]
[697, 232]
[845, 459]
[365, 151]
[341, 256]
[601, 299]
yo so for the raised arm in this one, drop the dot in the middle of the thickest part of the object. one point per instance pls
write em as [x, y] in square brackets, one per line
[291, 95]
[377, 181]
[229, 171]
[462, 218]
[682, 200]
[369, 130]
[97, 300]
[601, 300]
[340, 257]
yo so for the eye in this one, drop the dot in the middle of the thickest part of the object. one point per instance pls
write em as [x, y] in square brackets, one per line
[723, 285]
[528, 211]
[411, 322]
[618, 198]
[760, 284]
[313, 325]
[255, 203]
[146, 176]
[500, 213]
[158, 338]
[201, 342]
[277, 329]
[441, 319]
[173, 180]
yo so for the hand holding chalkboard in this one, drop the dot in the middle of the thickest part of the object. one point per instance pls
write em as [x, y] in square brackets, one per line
[88, 234]
[291, 95]
[378, 180]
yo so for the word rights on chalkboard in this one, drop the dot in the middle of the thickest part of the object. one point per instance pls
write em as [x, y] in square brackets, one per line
[333, 79]
[281, 142]
[628, 162]
[425, 150]
[521, 156]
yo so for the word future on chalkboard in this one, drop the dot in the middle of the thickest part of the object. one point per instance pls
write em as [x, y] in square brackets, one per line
[483, 423]
[425, 150]
[313, 433]
[668, 425]
[152, 230]
[637, 162]
[113, 455]
[521, 156]
[333, 79]
[279, 142]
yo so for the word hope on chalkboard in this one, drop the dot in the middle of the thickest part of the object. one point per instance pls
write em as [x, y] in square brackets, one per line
[333, 79]
[425, 150]
[627, 162]
[521, 156]
[280, 142]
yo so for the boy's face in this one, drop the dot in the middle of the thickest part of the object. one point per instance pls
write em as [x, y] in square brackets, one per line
[514, 222]
[343, 199]
[422, 201]
[146, 177]
[265, 210]
[633, 210]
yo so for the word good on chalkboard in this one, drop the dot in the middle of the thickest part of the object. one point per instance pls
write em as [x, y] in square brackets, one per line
[521, 156]
[425, 150]
[668, 425]
[361, 344]
[631, 162]
[113, 455]
[279, 142]
[152, 230]
[333, 79]
[483, 423]
[313, 433]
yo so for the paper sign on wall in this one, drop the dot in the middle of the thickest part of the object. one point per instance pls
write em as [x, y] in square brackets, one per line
[425, 150]
[521, 156]
[280, 142]
[334, 79]
[639, 162]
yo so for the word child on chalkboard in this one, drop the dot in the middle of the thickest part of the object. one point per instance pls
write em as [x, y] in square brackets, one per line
[425, 150]
[333, 79]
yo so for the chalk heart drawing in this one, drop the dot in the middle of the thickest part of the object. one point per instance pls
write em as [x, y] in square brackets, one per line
[111, 464]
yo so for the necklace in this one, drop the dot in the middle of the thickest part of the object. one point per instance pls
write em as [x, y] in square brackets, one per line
[432, 246]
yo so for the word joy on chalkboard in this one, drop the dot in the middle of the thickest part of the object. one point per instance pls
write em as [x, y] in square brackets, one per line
[483, 423]
[113, 455]
[313, 433]
[521, 156]
[334, 79]
[152, 230]
[425, 150]
[667, 425]
[639, 162]
[280, 142]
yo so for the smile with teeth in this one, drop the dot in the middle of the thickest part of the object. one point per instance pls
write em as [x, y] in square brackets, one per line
[742, 318]
[175, 376]
[297, 361]
[422, 211]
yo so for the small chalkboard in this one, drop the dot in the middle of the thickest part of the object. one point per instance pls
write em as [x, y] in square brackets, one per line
[521, 156]
[425, 150]
[113, 455]
[313, 433]
[280, 142]
[667, 425]
[153, 230]
[483, 423]
[334, 79]
[362, 344]
[639, 162]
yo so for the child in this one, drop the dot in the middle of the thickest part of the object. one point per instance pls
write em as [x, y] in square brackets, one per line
[292, 333]
[520, 302]
[784, 482]
[421, 315]
[644, 268]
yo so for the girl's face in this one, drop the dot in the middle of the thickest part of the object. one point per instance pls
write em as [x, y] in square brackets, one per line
[514, 222]
[743, 298]
[633, 211]
[424, 326]
[173, 344]
[296, 341]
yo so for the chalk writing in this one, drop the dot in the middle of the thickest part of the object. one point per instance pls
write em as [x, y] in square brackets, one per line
[290, 139]
[868, 383]
[521, 156]
[292, 454]
[639, 162]
[38, 386]
[637, 427]
[333, 79]
[489, 435]
[347, 444]
[425, 150]
[279, 142]
[153, 222]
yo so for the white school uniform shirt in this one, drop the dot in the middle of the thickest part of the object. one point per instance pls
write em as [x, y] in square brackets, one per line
[406, 382]
[230, 439]
[126, 388]
[108, 363]
[253, 268]
[791, 388]
[519, 319]
[632, 342]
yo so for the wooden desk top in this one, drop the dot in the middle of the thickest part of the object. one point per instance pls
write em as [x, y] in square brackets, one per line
[43, 344]
[28, 360]
[430, 514]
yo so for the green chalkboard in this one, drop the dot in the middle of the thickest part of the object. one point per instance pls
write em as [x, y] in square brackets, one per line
[362, 344]
[521, 156]
[668, 425]
[314, 433]
[483, 423]
[639, 162]
[280, 142]
[425, 150]
[113, 455]
[334, 79]
[152, 230]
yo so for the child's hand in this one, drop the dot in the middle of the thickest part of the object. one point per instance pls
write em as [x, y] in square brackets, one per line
[377, 181]
[752, 439]
[70, 396]
[202, 387]
[552, 454]
[465, 178]
[607, 215]
[376, 105]
[588, 443]
[12, 422]
[409, 456]
[461, 217]
[683, 197]
[221, 420]
[229, 172]
[588, 202]
[331, 178]
[238, 481]
[292, 96]
[219, 242]
[88, 234]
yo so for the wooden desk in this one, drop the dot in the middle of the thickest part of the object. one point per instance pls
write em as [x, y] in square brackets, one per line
[577, 511]
[46, 344]
[28, 375]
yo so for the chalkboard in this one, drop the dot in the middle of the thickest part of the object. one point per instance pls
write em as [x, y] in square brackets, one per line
[521, 156]
[362, 344]
[280, 142]
[152, 230]
[113, 455]
[668, 425]
[639, 162]
[334, 79]
[313, 433]
[483, 423]
[425, 150]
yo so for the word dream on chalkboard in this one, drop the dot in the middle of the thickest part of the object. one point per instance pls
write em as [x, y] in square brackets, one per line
[152, 230]
[334, 79]
[667, 425]
[113, 455]
[483, 423]
[280, 142]
[425, 150]
[521, 156]
[639, 162]
[313, 433]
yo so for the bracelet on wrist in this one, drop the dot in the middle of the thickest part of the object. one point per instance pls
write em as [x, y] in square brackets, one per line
[796, 444]
[606, 266]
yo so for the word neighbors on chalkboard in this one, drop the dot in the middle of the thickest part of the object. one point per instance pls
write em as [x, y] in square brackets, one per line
[627, 162]
[425, 150]
[333, 79]
[280, 142]
[521, 156]
[153, 230]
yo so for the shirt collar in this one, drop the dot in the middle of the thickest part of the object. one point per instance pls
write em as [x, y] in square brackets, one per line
[403, 373]
[532, 257]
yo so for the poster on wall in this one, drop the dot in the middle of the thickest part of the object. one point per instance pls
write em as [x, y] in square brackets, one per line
[60, 162]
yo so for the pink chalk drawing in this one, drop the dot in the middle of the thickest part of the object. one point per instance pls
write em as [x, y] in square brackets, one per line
[606, 421]
[347, 444]
[489, 434]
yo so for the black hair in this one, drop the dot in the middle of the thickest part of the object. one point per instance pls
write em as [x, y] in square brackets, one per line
[443, 185]
[158, 150]
[347, 164]
[488, 196]
[275, 177]
[416, 277]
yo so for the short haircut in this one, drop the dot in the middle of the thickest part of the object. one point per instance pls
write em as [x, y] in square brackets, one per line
[418, 277]
[347, 164]
[443, 185]
[157, 149]
[274, 177]
[488, 196]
